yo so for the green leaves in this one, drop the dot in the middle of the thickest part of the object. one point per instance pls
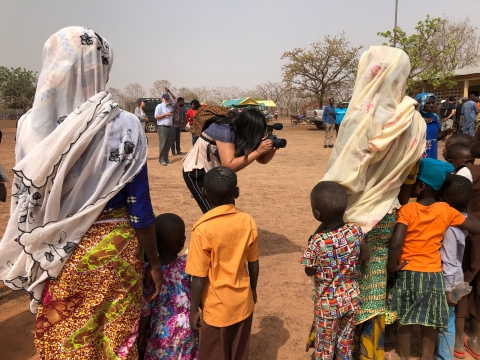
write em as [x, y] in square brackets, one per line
[436, 49]
[17, 87]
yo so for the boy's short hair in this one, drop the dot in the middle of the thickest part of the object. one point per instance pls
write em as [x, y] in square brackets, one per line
[456, 149]
[220, 184]
[169, 229]
[456, 191]
[329, 197]
[461, 138]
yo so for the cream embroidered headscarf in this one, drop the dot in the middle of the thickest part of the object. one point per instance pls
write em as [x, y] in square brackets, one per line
[381, 137]
[75, 150]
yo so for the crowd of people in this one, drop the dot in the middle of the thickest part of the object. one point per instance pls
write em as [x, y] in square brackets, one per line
[398, 239]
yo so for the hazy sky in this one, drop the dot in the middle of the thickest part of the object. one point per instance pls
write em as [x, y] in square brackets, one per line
[214, 43]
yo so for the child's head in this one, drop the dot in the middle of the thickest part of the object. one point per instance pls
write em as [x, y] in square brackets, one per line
[220, 187]
[459, 154]
[430, 178]
[329, 201]
[460, 138]
[170, 233]
[456, 191]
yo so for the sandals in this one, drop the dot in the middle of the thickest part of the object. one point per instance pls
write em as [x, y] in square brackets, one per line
[467, 348]
[459, 355]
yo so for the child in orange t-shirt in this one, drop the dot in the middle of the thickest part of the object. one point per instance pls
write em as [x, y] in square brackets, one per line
[418, 293]
[223, 240]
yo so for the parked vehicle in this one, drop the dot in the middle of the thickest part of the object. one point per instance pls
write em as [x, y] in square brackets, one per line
[317, 115]
[150, 105]
[300, 119]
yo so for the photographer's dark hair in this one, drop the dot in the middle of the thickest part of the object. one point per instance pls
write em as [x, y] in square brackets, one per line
[139, 102]
[249, 127]
[456, 191]
[180, 98]
[220, 184]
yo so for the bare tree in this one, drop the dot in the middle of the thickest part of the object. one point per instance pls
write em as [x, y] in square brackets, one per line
[118, 96]
[158, 87]
[465, 49]
[187, 93]
[132, 93]
[321, 68]
[270, 91]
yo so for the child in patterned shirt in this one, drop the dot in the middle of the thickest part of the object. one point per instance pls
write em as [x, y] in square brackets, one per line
[164, 326]
[331, 257]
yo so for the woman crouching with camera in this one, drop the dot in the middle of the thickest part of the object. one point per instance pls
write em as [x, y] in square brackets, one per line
[229, 139]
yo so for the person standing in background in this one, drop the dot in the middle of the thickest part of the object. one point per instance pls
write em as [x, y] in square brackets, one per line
[139, 111]
[448, 114]
[328, 119]
[459, 116]
[194, 106]
[470, 111]
[426, 103]
[163, 115]
[339, 115]
[178, 118]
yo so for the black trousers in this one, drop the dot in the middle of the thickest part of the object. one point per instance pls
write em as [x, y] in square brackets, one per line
[195, 180]
[337, 126]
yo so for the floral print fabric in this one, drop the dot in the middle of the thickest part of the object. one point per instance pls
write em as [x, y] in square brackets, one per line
[334, 256]
[91, 310]
[171, 336]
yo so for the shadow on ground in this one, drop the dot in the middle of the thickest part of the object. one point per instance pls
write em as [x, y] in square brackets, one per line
[17, 336]
[272, 336]
[274, 244]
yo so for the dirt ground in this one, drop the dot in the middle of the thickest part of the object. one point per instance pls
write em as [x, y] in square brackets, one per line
[276, 195]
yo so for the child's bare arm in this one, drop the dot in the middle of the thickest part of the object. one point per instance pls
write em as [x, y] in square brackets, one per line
[395, 249]
[253, 271]
[198, 284]
[472, 225]
[364, 253]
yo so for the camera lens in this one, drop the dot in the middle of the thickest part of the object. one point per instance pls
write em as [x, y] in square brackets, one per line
[279, 143]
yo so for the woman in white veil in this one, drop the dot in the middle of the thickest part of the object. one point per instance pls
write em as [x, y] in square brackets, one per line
[80, 207]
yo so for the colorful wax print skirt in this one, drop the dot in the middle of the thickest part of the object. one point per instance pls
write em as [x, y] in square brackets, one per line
[372, 274]
[92, 310]
[419, 298]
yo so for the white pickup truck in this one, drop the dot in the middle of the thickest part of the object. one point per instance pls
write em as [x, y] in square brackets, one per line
[316, 115]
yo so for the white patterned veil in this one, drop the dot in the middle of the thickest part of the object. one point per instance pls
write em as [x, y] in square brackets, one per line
[75, 150]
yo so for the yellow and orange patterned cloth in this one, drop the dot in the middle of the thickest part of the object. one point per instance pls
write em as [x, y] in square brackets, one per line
[91, 311]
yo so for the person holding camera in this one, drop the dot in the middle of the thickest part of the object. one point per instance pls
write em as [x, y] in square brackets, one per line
[230, 139]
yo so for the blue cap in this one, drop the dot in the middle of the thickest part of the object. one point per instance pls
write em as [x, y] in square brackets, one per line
[433, 172]
[165, 96]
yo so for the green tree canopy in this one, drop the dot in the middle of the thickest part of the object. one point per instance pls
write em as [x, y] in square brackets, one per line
[436, 49]
[17, 87]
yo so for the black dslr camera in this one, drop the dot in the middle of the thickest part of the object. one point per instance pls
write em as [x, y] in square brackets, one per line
[278, 143]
